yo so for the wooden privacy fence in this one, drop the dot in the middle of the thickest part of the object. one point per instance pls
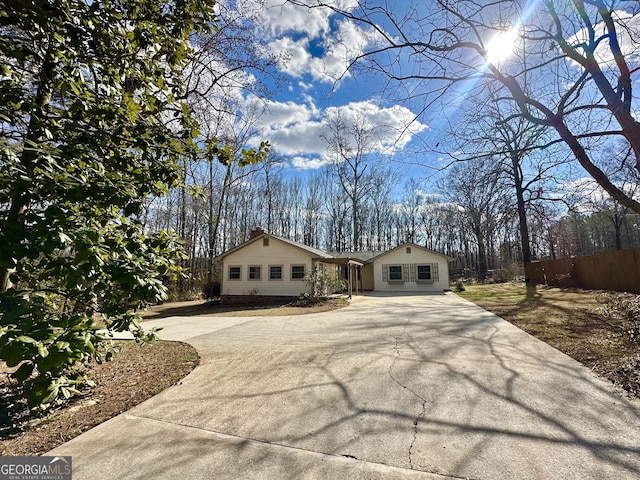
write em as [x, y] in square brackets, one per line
[618, 271]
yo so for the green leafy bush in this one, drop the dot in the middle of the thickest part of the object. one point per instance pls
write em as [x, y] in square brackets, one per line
[92, 125]
[321, 284]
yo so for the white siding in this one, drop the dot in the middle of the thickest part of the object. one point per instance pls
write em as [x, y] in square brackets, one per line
[418, 256]
[277, 253]
[367, 277]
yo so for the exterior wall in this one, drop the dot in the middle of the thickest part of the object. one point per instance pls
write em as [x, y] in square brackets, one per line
[277, 253]
[367, 277]
[399, 256]
[331, 268]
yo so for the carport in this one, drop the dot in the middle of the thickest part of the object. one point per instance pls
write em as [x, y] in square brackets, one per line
[351, 270]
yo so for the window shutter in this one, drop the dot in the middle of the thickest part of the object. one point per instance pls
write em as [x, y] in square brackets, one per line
[412, 272]
[385, 272]
[407, 273]
[434, 272]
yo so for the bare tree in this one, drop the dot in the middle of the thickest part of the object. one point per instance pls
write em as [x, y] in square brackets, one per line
[226, 138]
[232, 59]
[607, 218]
[576, 75]
[272, 182]
[491, 134]
[383, 182]
[477, 189]
[313, 212]
[350, 144]
[337, 208]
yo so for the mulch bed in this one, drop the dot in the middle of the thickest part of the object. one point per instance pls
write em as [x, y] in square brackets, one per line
[135, 374]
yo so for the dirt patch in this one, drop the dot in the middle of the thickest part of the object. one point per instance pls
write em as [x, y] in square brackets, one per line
[202, 308]
[135, 374]
[571, 321]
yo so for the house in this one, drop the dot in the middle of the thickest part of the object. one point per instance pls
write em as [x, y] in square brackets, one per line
[410, 267]
[268, 266]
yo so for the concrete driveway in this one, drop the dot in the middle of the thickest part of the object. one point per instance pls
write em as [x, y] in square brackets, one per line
[423, 387]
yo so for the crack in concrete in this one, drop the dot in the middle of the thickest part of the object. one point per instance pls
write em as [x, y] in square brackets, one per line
[266, 443]
[415, 431]
[416, 420]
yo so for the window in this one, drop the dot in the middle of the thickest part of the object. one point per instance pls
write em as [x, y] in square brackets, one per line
[424, 273]
[254, 272]
[275, 272]
[408, 249]
[234, 273]
[297, 272]
[395, 273]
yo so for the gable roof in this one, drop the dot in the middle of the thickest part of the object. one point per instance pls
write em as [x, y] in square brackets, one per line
[364, 256]
[301, 246]
[409, 244]
[313, 251]
[367, 257]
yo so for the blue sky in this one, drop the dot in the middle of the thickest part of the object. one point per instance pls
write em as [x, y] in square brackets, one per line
[319, 85]
[319, 46]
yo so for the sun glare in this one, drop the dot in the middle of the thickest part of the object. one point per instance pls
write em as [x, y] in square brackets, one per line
[501, 46]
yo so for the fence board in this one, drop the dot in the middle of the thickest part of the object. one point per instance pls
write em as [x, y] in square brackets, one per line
[618, 271]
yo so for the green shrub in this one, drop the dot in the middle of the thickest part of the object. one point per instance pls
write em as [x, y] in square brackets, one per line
[322, 284]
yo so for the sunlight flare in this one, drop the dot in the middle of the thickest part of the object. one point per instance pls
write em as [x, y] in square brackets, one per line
[501, 46]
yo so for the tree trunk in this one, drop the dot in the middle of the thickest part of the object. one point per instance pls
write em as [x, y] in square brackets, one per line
[482, 254]
[617, 225]
[522, 213]
[20, 194]
[214, 223]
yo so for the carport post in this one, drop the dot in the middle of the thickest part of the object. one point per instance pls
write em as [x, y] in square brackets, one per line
[352, 264]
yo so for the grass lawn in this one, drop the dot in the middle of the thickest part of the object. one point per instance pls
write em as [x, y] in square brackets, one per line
[571, 321]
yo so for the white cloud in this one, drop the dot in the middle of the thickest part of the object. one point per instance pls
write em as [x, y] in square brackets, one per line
[305, 163]
[427, 196]
[394, 127]
[286, 114]
[280, 17]
[340, 49]
[627, 26]
[296, 129]
[583, 194]
[298, 59]
[297, 139]
[292, 128]
[335, 46]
